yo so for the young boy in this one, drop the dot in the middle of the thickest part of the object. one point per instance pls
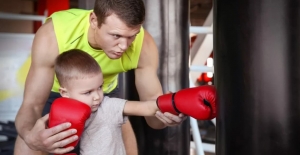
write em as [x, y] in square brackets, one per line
[80, 78]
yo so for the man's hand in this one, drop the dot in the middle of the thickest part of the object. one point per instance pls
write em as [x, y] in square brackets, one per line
[169, 119]
[50, 140]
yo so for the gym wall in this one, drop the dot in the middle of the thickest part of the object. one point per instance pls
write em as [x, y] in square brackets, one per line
[14, 51]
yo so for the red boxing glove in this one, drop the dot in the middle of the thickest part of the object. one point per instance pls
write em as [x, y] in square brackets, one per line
[198, 102]
[69, 110]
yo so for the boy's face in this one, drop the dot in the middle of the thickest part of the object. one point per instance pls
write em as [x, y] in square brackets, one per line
[87, 90]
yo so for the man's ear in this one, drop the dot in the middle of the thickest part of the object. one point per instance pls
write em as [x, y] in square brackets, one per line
[63, 92]
[93, 20]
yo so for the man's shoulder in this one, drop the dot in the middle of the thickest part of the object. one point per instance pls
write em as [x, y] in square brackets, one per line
[71, 12]
[147, 38]
[69, 17]
[46, 36]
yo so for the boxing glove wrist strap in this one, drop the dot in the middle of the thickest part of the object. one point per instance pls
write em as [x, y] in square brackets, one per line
[173, 104]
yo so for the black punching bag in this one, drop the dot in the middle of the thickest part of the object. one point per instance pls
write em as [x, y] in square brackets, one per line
[86, 4]
[168, 22]
[257, 75]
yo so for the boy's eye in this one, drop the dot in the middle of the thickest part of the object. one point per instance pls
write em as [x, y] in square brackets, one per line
[87, 93]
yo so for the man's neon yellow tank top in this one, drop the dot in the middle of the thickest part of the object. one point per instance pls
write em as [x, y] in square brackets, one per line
[71, 29]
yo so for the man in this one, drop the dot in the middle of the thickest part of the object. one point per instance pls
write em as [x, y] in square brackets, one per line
[112, 33]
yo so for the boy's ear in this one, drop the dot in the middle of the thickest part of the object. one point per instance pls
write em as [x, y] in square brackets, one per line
[63, 92]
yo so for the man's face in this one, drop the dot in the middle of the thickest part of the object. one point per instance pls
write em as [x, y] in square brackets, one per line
[87, 90]
[114, 37]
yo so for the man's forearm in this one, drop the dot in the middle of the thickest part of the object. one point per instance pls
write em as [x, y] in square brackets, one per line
[154, 122]
[25, 120]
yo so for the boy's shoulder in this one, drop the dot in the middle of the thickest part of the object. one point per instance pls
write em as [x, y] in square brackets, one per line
[111, 110]
[112, 103]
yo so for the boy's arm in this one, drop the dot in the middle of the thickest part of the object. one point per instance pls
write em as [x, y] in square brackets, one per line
[140, 108]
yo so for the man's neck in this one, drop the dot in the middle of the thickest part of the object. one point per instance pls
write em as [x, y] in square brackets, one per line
[91, 39]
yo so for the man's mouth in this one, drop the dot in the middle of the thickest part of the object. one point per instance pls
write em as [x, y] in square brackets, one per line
[118, 54]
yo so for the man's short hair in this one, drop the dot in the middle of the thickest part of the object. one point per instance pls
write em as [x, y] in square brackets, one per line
[131, 12]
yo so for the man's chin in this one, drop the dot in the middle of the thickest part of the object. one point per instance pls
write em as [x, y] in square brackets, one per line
[114, 56]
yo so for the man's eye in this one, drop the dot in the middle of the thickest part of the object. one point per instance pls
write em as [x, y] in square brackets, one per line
[132, 37]
[116, 36]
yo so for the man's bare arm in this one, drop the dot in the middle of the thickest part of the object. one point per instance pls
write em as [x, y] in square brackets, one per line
[146, 81]
[39, 80]
[148, 84]
[30, 126]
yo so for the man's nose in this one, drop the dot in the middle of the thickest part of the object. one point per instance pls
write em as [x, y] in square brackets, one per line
[123, 45]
